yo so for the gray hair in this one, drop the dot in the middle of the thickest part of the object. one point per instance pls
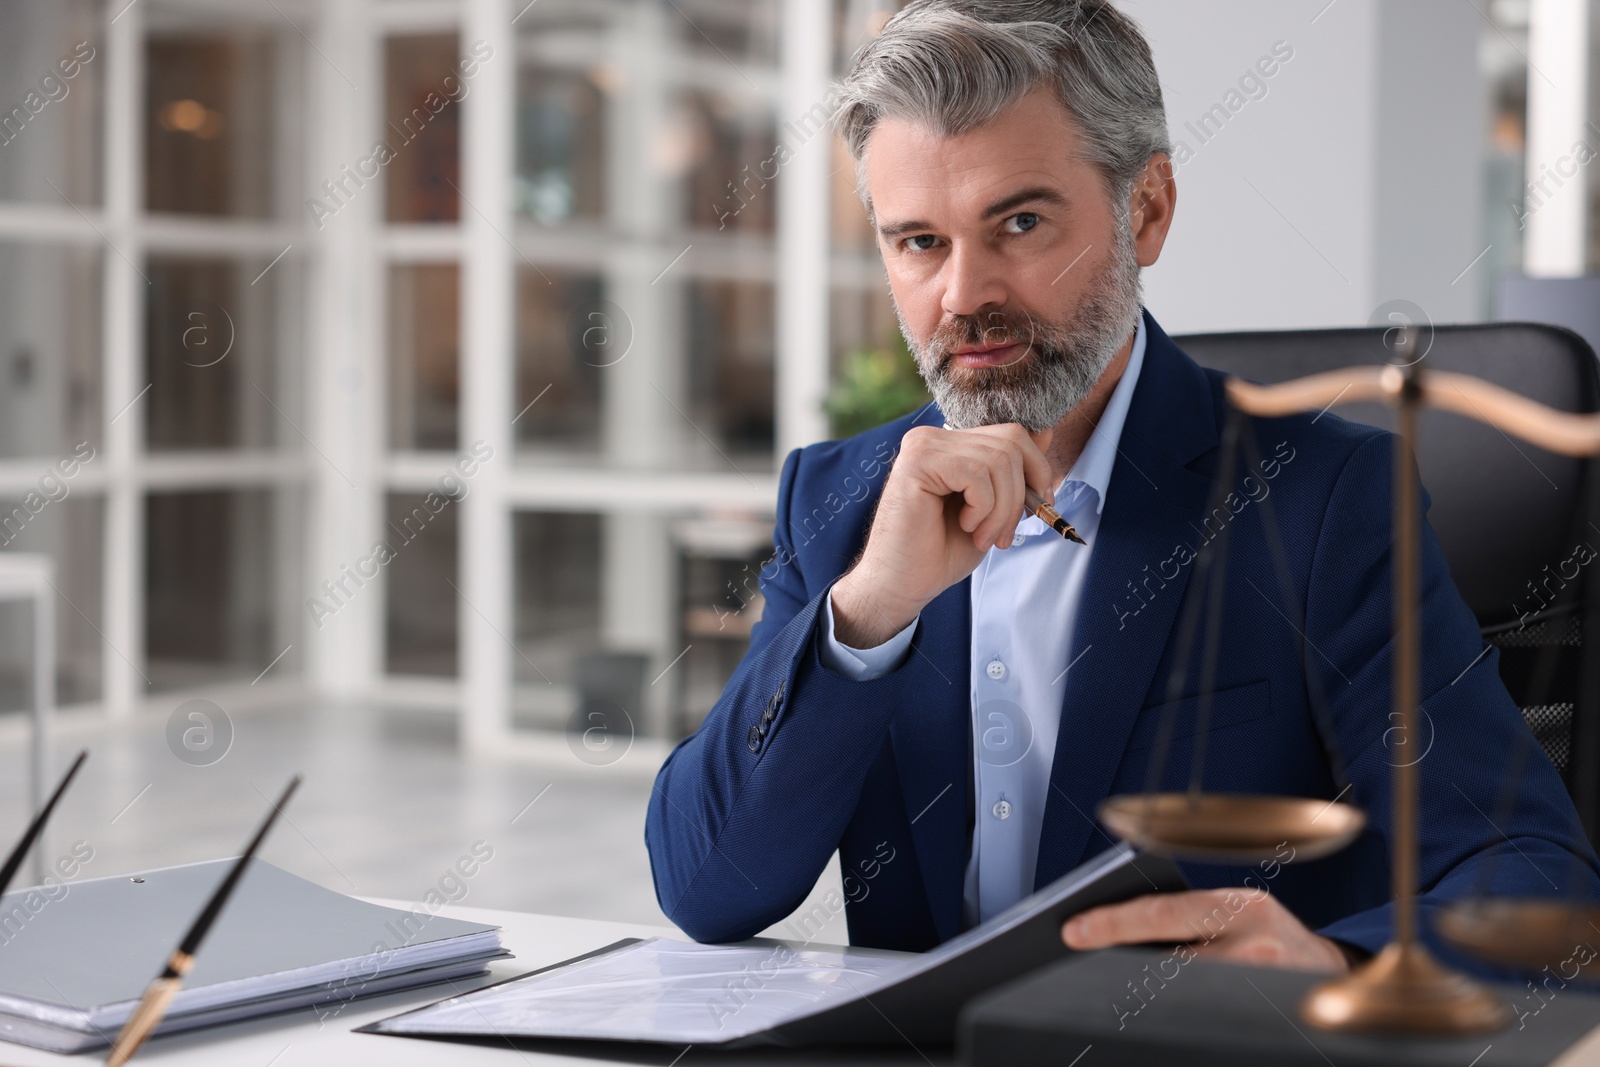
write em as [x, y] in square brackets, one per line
[956, 65]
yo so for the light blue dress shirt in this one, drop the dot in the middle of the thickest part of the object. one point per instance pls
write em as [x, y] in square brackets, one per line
[1024, 610]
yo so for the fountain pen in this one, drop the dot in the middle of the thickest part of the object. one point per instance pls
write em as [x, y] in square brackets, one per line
[1052, 517]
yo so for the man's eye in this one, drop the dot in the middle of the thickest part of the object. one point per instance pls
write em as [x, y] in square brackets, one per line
[922, 242]
[1023, 222]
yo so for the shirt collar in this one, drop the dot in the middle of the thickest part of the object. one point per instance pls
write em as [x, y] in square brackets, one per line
[1094, 464]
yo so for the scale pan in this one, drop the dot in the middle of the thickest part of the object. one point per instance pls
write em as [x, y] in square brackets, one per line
[1520, 933]
[1229, 828]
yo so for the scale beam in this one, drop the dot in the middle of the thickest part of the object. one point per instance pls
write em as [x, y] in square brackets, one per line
[1555, 431]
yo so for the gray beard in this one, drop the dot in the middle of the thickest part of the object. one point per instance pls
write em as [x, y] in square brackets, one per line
[1065, 359]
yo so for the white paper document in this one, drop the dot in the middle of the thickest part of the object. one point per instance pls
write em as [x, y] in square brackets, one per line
[660, 990]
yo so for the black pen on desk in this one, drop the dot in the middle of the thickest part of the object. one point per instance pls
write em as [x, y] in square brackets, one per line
[1052, 518]
[147, 1016]
[14, 861]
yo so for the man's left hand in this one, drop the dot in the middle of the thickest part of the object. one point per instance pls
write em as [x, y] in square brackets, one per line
[1241, 925]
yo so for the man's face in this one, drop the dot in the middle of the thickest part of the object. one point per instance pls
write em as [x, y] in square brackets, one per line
[1014, 274]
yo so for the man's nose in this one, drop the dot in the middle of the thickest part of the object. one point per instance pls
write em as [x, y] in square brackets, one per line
[971, 282]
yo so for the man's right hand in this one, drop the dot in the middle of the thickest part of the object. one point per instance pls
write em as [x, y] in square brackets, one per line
[951, 496]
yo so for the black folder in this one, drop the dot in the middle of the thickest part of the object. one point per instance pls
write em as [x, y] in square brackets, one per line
[672, 992]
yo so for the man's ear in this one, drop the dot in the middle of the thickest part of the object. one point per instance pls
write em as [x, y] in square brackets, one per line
[1151, 204]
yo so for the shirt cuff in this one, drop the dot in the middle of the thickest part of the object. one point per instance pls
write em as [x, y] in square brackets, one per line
[863, 664]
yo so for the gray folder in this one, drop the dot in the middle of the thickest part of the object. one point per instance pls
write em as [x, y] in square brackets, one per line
[75, 960]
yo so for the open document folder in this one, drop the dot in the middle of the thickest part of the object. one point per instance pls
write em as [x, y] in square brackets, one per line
[73, 967]
[781, 993]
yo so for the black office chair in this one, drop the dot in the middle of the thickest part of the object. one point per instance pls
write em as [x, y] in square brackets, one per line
[1508, 515]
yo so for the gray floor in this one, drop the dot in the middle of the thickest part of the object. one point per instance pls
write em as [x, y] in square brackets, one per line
[389, 804]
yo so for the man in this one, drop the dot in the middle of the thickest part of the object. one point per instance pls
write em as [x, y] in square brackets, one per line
[944, 690]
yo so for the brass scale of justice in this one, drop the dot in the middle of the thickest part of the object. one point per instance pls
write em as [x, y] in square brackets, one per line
[1403, 989]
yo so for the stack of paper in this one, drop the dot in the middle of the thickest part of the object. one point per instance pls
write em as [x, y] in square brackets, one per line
[72, 968]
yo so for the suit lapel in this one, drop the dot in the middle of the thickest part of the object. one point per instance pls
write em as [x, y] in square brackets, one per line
[932, 752]
[930, 738]
[1128, 608]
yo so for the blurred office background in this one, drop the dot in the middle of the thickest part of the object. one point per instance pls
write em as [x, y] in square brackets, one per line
[478, 432]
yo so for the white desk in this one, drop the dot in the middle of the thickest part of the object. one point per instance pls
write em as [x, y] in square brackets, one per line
[27, 576]
[298, 1039]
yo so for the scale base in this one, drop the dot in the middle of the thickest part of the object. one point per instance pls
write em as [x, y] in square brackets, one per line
[1403, 990]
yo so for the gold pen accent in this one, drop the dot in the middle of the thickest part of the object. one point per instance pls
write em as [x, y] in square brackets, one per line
[151, 1010]
[158, 995]
[1052, 517]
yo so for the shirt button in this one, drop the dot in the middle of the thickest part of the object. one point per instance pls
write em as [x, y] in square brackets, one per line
[1002, 809]
[996, 669]
[1018, 539]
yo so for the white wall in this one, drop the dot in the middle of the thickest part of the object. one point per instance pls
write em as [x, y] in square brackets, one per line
[1561, 141]
[1353, 181]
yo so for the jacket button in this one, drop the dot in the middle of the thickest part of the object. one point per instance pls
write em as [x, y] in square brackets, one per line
[755, 739]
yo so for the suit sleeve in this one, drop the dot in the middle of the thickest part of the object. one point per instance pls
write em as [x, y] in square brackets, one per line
[1470, 841]
[746, 814]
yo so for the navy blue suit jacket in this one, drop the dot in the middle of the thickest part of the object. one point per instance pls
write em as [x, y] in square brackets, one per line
[795, 761]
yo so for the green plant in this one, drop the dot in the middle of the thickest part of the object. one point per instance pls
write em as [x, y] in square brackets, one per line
[874, 386]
